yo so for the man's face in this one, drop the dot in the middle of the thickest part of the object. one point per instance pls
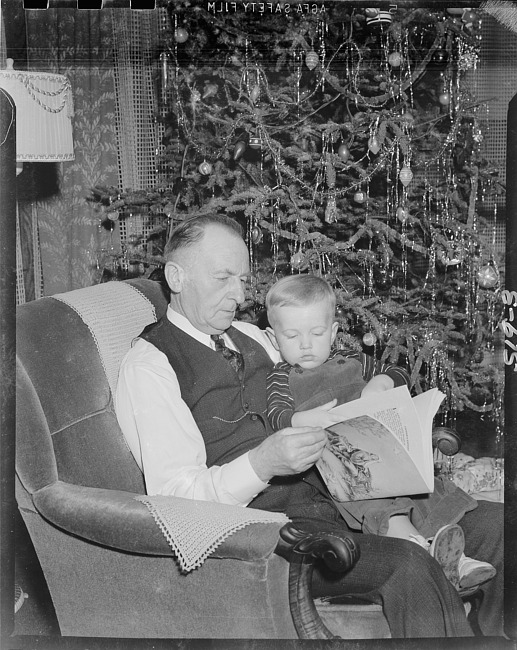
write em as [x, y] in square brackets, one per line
[304, 334]
[215, 273]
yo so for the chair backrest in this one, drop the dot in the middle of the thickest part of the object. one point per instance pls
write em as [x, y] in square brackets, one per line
[69, 348]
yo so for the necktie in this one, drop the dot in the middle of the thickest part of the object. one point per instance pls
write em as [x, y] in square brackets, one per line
[233, 357]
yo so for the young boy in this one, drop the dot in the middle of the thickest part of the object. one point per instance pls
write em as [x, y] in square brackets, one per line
[312, 379]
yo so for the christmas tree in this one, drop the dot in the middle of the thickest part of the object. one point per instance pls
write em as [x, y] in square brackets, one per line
[346, 142]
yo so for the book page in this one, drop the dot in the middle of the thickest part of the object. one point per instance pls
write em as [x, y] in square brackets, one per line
[364, 460]
[406, 421]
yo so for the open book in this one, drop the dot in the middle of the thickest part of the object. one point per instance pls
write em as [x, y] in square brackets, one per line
[383, 447]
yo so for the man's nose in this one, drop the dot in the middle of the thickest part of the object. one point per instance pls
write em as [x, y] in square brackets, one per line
[237, 291]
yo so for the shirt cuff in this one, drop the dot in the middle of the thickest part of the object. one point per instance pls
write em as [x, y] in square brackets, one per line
[245, 482]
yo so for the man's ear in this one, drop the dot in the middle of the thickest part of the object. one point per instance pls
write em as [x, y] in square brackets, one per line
[335, 327]
[272, 337]
[175, 276]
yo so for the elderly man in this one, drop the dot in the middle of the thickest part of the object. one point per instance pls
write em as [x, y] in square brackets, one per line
[193, 413]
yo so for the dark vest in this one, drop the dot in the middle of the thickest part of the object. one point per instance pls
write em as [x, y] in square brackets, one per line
[230, 413]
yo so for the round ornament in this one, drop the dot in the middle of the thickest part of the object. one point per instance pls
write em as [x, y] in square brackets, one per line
[408, 118]
[394, 59]
[299, 261]
[405, 175]
[455, 11]
[371, 12]
[360, 197]
[255, 143]
[369, 339]
[180, 35]
[205, 168]
[343, 152]
[402, 214]
[239, 149]
[340, 311]
[444, 99]
[312, 60]
[440, 58]
[256, 235]
[373, 145]
[113, 216]
[488, 276]
[255, 93]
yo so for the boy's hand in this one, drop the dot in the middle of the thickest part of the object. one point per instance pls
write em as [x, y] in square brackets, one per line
[377, 384]
[316, 417]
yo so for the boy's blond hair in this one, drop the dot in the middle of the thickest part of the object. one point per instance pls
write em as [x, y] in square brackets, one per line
[300, 291]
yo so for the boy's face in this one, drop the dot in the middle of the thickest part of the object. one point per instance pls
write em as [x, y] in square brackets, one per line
[303, 335]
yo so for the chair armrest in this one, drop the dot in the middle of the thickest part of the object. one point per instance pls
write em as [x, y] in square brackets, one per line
[117, 520]
[446, 440]
[302, 549]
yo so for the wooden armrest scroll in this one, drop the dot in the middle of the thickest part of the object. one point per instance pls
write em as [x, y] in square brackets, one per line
[446, 440]
[302, 548]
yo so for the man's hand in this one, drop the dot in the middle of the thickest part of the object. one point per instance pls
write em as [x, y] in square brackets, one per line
[288, 451]
[316, 417]
[377, 384]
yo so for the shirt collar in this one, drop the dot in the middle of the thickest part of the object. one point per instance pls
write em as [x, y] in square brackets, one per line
[186, 326]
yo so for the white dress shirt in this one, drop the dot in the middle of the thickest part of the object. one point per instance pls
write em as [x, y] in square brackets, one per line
[162, 433]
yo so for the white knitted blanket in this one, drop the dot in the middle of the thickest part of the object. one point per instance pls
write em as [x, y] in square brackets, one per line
[115, 313]
[194, 529]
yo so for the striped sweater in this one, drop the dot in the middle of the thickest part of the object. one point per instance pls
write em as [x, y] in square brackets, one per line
[342, 376]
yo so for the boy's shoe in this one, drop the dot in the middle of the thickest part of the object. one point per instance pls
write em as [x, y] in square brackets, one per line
[473, 573]
[447, 549]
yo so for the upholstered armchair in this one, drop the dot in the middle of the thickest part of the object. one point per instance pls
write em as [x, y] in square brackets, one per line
[110, 569]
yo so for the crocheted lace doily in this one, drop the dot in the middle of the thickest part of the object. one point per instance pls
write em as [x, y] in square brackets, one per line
[194, 529]
[115, 313]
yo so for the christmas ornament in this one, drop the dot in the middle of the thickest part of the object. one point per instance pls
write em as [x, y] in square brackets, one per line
[405, 175]
[488, 276]
[255, 93]
[373, 145]
[299, 261]
[113, 216]
[343, 152]
[369, 339]
[394, 59]
[239, 149]
[210, 90]
[439, 58]
[377, 18]
[255, 143]
[256, 235]
[331, 210]
[444, 99]
[469, 17]
[180, 35]
[312, 60]
[454, 251]
[455, 11]
[340, 311]
[205, 168]
[360, 197]
[402, 215]
[407, 117]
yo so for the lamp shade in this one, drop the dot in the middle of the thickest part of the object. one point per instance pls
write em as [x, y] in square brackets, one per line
[44, 110]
